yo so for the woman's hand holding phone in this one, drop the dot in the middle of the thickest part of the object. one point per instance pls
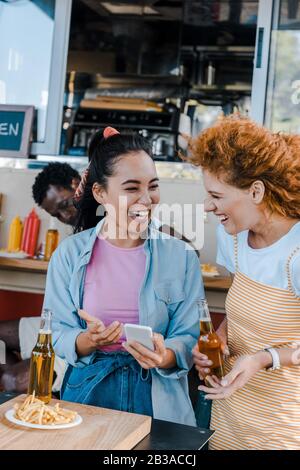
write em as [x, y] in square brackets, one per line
[147, 359]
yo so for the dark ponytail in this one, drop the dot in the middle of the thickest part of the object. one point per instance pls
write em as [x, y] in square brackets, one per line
[103, 156]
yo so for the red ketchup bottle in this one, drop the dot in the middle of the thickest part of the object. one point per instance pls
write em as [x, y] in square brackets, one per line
[30, 233]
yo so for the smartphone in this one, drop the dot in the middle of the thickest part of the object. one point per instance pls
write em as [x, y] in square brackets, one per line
[139, 333]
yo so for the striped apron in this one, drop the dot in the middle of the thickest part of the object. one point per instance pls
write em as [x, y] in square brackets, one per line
[265, 414]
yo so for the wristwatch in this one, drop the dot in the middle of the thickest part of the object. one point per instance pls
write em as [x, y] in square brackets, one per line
[275, 357]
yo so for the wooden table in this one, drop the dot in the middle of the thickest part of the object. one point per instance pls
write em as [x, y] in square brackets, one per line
[163, 435]
[216, 289]
[23, 275]
[100, 429]
[27, 265]
[220, 284]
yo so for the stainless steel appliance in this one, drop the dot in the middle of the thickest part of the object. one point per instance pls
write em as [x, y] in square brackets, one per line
[160, 127]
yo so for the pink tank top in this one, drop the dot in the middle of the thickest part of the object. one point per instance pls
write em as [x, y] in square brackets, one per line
[112, 284]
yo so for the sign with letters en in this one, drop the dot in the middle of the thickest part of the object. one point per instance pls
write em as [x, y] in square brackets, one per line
[15, 130]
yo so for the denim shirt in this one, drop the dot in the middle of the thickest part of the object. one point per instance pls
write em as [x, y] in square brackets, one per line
[167, 303]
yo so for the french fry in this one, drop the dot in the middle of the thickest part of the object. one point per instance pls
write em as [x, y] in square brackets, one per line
[41, 415]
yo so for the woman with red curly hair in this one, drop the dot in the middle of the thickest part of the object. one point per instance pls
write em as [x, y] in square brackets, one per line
[252, 177]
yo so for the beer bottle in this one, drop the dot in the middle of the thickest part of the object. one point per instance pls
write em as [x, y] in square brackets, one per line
[209, 342]
[42, 361]
[51, 239]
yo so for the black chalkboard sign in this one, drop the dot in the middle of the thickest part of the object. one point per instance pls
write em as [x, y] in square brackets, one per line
[15, 130]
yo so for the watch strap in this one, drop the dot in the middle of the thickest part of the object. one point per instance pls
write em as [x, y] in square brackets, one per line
[275, 359]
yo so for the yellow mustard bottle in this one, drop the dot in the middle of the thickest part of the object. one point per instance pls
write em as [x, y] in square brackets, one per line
[15, 235]
[52, 237]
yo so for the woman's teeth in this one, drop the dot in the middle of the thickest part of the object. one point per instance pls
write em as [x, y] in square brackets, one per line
[139, 214]
[222, 218]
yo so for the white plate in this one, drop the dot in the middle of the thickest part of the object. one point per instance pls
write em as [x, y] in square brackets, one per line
[204, 274]
[9, 415]
[16, 255]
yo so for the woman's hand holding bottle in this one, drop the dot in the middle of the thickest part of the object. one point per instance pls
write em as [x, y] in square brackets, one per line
[97, 334]
[201, 361]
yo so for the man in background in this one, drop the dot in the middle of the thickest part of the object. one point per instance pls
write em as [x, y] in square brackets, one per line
[53, 191]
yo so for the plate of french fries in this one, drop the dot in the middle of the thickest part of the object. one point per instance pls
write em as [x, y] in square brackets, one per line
[34, 413]
[209, 270]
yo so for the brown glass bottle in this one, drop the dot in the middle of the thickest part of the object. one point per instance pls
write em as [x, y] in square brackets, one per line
[209, 342]
[52, 237]
[51, 243]
[42, 361]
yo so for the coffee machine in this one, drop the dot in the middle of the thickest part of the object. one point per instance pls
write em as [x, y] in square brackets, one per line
[159, 127]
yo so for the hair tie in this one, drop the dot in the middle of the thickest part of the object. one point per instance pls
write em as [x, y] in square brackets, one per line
[109, 132]
[80, 189]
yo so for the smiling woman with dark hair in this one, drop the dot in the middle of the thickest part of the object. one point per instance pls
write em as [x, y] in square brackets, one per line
[119, 270]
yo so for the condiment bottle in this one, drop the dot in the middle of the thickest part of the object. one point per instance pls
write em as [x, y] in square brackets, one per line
[42, 361]
[30, 233]
[15, 235]
[209, 342]
[51, 239]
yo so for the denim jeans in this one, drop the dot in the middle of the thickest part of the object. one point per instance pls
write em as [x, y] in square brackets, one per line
[114, 380]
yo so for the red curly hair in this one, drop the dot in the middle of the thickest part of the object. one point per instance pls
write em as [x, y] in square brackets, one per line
[240, 152]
